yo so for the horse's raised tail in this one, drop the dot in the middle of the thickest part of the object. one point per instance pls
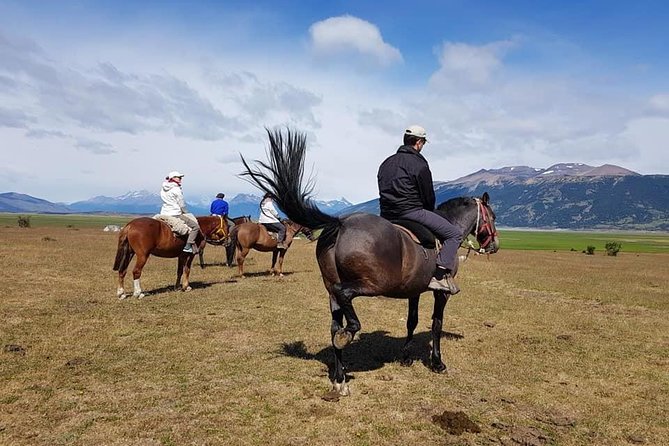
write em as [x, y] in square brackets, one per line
[123, 252]
[283, 176]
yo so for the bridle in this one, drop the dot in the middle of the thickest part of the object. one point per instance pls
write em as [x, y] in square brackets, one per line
[483, 226]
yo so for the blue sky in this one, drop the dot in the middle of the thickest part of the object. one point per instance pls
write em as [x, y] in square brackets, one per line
[105, 97]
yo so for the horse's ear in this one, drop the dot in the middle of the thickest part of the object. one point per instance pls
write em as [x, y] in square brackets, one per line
[485, 198]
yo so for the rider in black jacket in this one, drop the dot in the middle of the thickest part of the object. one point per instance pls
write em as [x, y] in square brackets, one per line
[406, 191]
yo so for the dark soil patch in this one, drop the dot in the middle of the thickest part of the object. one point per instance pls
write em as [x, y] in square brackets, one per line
[455, 423]
[13, 348]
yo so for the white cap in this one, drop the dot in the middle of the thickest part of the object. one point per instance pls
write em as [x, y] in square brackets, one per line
[416, 130]
[175, 174]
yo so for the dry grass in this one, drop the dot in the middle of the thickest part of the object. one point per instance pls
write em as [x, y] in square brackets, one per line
[542, 348]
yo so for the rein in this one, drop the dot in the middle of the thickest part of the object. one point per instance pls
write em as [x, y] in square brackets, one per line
[483, 225]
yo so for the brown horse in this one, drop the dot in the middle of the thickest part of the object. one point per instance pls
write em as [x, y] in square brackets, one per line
[365, 255]
[249, 236]
[229, 247]
[145, 236]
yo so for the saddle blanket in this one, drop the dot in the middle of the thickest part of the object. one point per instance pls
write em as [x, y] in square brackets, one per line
[176, 224]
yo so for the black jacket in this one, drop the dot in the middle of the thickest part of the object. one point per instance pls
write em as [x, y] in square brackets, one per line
[405, 183]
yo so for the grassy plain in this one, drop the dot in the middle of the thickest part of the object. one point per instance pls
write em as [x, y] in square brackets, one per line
[542, 347]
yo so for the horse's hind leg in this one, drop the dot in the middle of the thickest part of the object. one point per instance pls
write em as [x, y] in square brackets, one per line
[440, 300]
[344, 297]
[412, 322]
[120, 290]
[186, 270]
[137, 273]
[339, 384]
[241, 255]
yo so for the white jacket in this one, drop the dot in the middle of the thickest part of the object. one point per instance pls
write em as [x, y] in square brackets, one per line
[173, 199]
[268, 213]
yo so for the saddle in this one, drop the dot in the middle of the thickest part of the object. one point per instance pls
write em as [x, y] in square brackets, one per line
[176, 225]
[418, 233]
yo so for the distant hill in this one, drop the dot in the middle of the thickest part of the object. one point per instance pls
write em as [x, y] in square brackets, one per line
[141, 203]
[14, 202]
[569, 196]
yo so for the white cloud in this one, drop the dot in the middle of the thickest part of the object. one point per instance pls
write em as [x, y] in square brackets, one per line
[94, 147]
[659, 104]
[464, 65]
[349, 35]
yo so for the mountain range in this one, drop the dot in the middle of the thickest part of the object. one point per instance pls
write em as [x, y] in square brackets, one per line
[143, 203]
[569, 196]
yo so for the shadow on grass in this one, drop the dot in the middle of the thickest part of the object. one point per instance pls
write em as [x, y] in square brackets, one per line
[171, 289]
[371, 351]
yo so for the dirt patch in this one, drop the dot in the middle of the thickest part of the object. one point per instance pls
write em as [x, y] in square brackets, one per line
[455, 423]
[16, 349]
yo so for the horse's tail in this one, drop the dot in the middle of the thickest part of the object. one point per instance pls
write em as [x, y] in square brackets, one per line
[283, 176]
[123, 251]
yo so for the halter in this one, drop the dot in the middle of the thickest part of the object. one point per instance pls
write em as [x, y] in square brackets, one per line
[483, 223]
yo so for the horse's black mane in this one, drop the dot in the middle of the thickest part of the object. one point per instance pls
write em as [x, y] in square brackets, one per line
[449, 206]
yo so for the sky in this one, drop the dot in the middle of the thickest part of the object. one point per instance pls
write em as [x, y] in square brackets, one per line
[106, 97]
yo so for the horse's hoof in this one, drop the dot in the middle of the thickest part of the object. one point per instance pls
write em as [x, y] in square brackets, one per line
[438, 368]
[406, 362]
[342, 338]
[188, 288]
[122, 296]
[139, 296]
[341, 388]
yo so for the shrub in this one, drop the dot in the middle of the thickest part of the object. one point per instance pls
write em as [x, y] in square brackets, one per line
[590, 250]
[24, 222]
[612, 248]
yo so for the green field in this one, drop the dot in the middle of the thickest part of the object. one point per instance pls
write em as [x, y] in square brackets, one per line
[651, 242]
[64, 221]
[575, 240]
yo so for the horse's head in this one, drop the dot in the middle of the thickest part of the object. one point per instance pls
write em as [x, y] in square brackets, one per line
[295, 228]
[485, 230]
[475, 216]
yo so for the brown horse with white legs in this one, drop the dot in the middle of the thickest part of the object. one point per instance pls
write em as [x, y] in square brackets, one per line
[365, 255]
[249, 236]
[146, 236]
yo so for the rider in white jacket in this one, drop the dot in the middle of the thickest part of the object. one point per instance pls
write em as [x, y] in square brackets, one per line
[175, 206]
[269, 217]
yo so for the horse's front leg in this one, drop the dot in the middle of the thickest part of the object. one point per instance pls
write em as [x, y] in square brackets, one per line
[186, 272]
[180, 270]
[440, 300]
[412, 322]
[137, 273]
[275, 255]
[279, 268]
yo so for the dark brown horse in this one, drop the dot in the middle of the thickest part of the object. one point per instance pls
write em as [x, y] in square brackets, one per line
[146, 236]
[249, 236]
[229, 247]
[364, 254]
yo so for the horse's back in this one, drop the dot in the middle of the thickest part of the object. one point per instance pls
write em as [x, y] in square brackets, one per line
[371, 249]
